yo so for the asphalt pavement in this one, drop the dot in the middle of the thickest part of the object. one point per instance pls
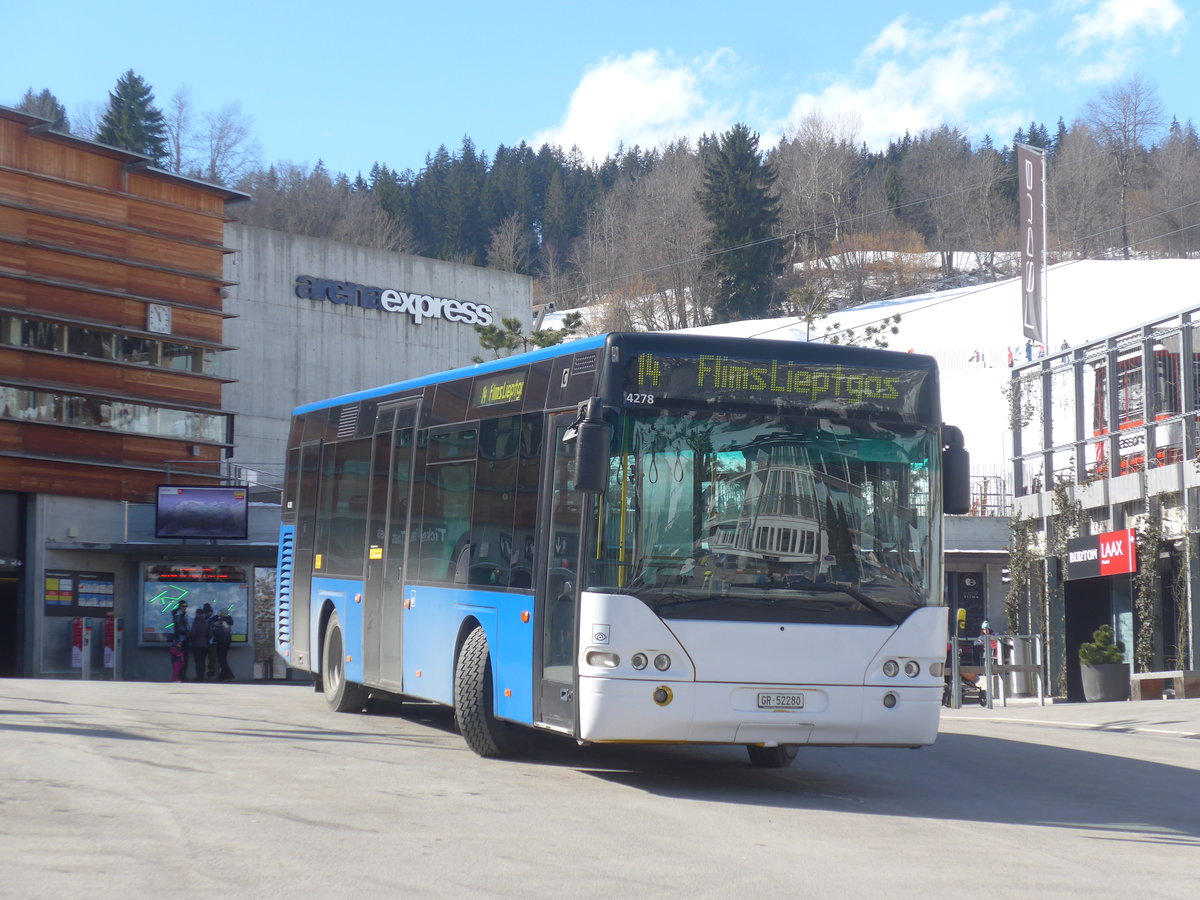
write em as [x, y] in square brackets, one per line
[139, 789]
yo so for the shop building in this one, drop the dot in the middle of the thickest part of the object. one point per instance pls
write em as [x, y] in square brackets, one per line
[1107, 490]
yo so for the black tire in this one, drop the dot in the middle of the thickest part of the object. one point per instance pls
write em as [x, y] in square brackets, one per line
[778, 757]
[983, 698]
[483, 732]
[340, 694]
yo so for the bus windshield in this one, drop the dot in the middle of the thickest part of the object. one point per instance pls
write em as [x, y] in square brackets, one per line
[721, 515]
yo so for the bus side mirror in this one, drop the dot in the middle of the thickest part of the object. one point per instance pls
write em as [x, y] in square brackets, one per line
[592, 436]
[956, 473]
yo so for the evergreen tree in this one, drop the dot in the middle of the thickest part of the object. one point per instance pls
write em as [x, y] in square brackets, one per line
[46, 105]
[132, 121]
[466, 236]
[1060, 135]
[738, 199]
[508, 337]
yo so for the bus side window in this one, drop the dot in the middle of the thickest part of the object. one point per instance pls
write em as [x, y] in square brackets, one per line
[445, 518]
[529, 467]
[490, 559]
[342, 508]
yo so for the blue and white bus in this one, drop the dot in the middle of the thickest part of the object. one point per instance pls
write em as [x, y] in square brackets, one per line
[632, 538]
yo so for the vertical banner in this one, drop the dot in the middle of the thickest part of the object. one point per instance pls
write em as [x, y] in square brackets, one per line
[1031, 175]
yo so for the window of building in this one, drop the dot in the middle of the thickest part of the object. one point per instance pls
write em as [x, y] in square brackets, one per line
[91, 343]
[136, 350]
[94, 343]
[81, 410]
[38, 335]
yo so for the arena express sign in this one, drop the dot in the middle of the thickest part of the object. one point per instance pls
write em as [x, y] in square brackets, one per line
[419, 306]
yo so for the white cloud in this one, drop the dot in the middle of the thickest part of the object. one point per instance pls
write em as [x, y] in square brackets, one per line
[896, 37]
[1103, 68]
[645, 98]
[1123, 20]
[930, 78]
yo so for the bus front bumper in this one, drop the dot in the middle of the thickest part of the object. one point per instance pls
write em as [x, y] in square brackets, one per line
[627, 710]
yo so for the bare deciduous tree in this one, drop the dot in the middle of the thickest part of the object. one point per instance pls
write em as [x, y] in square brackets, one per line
[228, 143]
[938, 187]
[85, 120]
[178, 118]
[1176, 192]
[509, 246]
[1125, 118]
[1079, 197]
[293, 199]
[819, 166]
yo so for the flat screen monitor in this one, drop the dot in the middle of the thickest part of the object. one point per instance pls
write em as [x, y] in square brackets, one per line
[202, 511]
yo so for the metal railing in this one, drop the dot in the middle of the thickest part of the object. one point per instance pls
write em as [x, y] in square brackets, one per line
[265, 479]
[1006, 663]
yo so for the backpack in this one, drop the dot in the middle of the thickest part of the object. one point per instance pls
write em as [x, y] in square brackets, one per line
[201, 633]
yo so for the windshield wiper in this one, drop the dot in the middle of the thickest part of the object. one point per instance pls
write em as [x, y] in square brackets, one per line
[874, 605]
[674, 599]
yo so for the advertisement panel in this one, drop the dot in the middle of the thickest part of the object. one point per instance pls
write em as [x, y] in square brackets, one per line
[1111, 553]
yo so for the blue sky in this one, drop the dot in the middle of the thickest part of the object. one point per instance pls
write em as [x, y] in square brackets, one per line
[359, 81]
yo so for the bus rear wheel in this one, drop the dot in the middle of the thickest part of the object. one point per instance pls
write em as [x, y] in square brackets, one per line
[473, 704]
[779, 757]
[340, 694]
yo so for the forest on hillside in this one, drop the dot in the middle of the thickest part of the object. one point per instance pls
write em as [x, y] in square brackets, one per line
[719, 228]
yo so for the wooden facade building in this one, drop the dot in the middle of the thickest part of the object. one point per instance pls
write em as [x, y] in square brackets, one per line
[111, 317]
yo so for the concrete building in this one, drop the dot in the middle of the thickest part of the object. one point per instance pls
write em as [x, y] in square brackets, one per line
[150, 349]
[311, 320]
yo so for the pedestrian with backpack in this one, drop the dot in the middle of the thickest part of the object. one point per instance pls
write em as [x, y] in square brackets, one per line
[199, 639]
[222, 637]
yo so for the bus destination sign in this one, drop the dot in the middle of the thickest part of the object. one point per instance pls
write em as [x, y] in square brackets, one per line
[654, 378]
[508, 388]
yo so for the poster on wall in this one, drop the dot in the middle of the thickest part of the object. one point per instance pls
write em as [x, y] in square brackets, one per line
[165, 587]
[78, 593]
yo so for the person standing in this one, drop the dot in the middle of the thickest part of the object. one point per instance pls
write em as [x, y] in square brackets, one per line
[198, 638]
[222, 637]
[178, 660]
[214, 622]
[179, 635]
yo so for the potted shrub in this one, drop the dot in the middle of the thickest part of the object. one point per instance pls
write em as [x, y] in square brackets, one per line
[1102, 667]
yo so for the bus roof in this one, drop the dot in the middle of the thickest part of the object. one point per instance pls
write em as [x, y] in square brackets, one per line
[492, 365]
[703, 343]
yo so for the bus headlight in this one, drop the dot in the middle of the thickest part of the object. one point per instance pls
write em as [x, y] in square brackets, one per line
[602, 659]
[912, 668]
[638, 661]
[891, 668]
[662, 662]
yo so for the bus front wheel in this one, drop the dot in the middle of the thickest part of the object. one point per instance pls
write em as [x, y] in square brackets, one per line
[340, 694]
[473, 709]
[779, 757]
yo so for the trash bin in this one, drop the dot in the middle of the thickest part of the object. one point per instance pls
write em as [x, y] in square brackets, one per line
[1019, 681]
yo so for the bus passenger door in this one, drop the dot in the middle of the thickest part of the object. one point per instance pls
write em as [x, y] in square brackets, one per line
[558, 587]
[304, 657]
[391, 484]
